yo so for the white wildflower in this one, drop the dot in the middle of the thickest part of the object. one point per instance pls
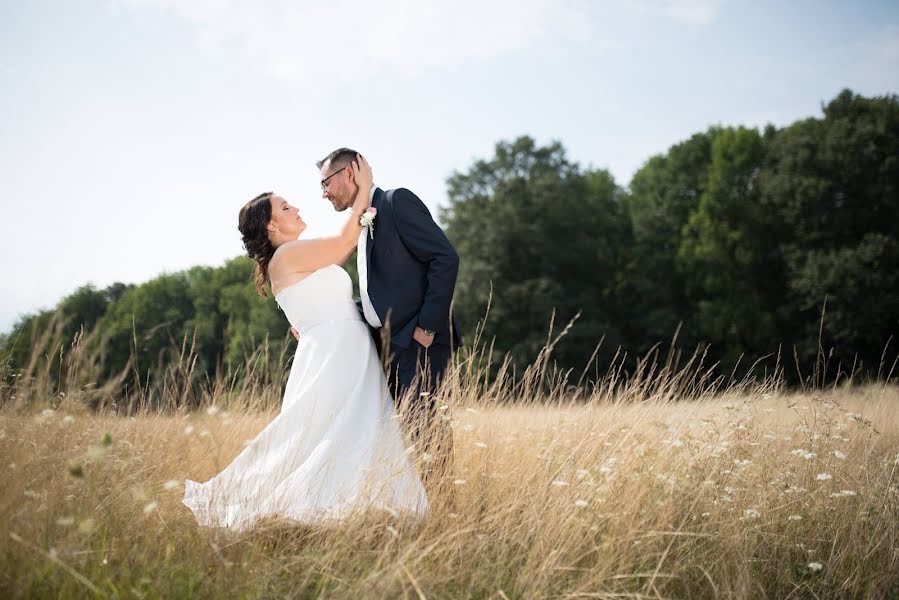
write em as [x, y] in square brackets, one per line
[188, 430]
[48, 412]
[459, 482]
[87, 525]
[803, 453]
[172, 484]
[742, 463]
[582, 473]
[392, 531]
[65, 521]
[794, 518]
[839, 455]
[480, 445]
[150, 507]
[212, 410]
[68, 419]
[581, 503]
[559, 483]
[751, 513]
[815, 566]
[823, 476]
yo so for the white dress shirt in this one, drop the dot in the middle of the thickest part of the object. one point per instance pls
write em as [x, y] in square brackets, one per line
[362, 268]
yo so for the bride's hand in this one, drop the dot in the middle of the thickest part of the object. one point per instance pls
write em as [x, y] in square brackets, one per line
[362, 173]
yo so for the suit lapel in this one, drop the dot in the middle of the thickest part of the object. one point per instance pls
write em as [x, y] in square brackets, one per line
[369, 238]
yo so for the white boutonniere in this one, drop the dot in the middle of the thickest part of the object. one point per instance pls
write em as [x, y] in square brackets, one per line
[368, 220]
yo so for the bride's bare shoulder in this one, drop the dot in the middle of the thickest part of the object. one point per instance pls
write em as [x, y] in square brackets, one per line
[292, 248]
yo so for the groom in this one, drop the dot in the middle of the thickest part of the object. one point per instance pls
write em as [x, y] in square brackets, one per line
[407, 275]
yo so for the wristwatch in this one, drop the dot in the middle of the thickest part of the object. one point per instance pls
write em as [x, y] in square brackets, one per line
[428, 332]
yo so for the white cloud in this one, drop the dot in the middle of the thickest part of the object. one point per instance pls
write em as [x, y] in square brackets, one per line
[697, 13]
[345, 41]
[693, 13]
[315, 43]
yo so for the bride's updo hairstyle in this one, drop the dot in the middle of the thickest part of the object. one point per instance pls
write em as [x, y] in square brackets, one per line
[253, 225]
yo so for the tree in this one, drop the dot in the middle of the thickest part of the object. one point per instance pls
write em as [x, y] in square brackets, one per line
[834, 184]
[247, 321]
[732, 266]
[149, 323]
[49, 331]
[662, 196]
[546, 237]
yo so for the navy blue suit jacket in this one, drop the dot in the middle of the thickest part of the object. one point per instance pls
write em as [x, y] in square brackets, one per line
[412, 269]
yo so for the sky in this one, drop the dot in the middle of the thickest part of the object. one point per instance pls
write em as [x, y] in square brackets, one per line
[131, 131]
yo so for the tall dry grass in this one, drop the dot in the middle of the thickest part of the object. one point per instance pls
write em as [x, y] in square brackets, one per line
[666, 482]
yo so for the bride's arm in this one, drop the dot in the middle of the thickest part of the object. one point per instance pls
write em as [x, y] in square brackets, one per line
[308, 255]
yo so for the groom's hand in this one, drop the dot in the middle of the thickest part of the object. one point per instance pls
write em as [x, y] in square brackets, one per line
[422, 338]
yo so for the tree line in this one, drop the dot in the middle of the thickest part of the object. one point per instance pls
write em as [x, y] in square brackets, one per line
[752, 247]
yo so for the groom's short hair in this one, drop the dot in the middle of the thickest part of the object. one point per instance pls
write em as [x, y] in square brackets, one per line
[340, 157]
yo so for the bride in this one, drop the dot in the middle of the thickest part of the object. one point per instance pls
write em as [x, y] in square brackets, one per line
[336, 447]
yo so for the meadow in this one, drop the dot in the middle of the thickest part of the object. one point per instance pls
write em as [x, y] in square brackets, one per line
[665, 483]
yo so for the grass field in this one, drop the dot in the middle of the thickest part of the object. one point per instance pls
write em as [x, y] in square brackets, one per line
[626, 491]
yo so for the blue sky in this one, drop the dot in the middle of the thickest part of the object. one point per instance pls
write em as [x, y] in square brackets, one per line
[131, 131]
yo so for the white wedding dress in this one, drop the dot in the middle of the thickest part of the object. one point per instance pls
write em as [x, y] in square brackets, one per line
[336, 447]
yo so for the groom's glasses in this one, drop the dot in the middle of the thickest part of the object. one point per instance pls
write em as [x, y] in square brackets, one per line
[325, 180]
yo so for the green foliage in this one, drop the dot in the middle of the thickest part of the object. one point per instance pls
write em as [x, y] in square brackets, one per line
[730, 263]
[545, 237]
[212, 315]
[833, 184]
[856, 283]
[216, 311]
[662, 196]
[47, 330]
